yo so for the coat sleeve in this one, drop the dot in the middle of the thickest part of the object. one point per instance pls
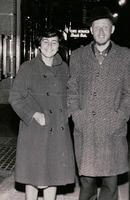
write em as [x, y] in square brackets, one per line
[125, 96]
[73, 84]
[20, 98]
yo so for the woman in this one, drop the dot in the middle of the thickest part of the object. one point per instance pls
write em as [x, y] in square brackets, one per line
[44, 157]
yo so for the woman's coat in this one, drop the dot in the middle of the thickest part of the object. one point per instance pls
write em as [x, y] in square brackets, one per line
[99, 101]
[44, 153]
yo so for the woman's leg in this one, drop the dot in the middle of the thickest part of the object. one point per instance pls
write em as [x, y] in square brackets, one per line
[50, 193]
[31, 192]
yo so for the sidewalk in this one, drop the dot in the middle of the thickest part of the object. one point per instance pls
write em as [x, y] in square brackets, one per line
[8, 192]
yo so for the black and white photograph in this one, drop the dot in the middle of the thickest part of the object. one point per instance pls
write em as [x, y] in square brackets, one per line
[64, 99]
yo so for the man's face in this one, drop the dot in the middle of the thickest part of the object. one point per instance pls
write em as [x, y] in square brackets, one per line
[49, 46]
[101, 30]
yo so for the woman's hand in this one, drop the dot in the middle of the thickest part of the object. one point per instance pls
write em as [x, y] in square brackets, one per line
[40, 118]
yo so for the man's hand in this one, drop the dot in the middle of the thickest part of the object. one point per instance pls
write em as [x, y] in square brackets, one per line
[40, 118]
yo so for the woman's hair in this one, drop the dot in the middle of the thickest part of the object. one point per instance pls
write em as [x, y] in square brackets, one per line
[52, 32]
[48, 33]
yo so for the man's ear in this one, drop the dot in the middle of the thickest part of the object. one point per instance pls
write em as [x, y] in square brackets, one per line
[113, 29]
[39, 48]
[91, 30]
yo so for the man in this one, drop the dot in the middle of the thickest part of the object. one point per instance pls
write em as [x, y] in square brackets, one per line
[99, 102]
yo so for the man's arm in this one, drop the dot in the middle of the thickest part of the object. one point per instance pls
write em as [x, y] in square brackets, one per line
[125, 98]
[73, 84]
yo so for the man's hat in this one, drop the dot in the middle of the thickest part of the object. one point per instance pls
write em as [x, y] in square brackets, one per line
[100, 12]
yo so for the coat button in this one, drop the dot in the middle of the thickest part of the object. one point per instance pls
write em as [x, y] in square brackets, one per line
[97, 74]
[94, 113]
[50, 111]
[94, 94]
[62, 128]
[48, 94]
[50, 131]
[44, 75]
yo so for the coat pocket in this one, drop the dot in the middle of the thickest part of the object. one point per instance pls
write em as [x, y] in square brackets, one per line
[116, 123]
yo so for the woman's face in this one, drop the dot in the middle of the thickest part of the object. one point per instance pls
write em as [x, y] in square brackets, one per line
[49, 46]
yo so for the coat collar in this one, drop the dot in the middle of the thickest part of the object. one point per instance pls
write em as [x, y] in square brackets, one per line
[86, 53]
[57, 59]
[96, 51]
[87, 50]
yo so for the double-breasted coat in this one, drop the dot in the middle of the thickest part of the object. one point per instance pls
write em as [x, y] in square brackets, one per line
[44, 153]
[99, 101]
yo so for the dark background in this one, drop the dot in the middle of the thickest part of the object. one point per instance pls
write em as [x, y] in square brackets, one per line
[39, 13]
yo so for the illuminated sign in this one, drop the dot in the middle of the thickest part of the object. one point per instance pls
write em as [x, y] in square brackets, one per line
[79, 33]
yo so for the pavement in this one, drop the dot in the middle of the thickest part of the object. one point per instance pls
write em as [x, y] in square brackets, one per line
[9, 192]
